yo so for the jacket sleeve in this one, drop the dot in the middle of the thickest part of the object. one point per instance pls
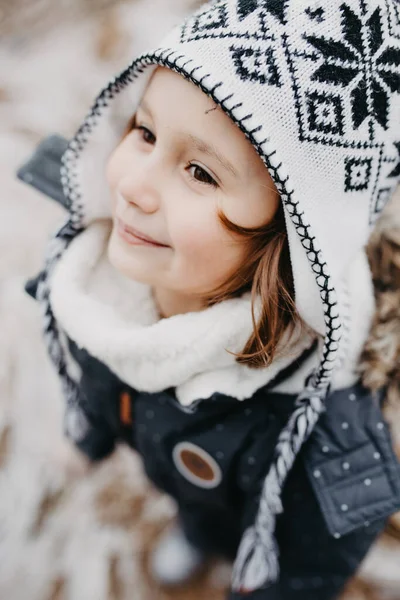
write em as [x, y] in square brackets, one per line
[91, 416]
[92, 423]
[90, 432]
[90, 419]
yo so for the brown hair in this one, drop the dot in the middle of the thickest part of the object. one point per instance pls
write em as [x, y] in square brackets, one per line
[267, 273]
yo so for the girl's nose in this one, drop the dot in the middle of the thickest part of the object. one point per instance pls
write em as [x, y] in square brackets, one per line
[141, 189]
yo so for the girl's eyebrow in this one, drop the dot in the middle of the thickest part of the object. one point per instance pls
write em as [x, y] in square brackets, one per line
[200, 145]
[206, 148]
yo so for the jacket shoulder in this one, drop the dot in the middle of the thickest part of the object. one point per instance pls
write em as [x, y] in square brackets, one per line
[42, 169]
[351, 463]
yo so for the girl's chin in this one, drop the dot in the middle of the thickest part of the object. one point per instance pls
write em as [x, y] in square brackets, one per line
[124, 262]
[127, 264]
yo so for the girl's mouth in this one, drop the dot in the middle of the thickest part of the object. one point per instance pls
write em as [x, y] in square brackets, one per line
[136, 238]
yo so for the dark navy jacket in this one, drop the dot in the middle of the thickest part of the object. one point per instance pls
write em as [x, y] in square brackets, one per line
[213, 459]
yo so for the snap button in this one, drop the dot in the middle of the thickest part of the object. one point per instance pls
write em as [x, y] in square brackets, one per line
[196, 465]
[125, 412]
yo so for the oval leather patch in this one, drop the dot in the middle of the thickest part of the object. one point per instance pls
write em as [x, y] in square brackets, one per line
[196, 465]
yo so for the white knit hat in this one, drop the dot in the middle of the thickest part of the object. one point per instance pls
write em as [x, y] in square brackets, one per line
[315, 87]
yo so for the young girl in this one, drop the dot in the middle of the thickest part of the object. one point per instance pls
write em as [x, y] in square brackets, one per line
[208, 297]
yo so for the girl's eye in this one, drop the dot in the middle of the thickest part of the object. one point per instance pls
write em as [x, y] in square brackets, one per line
[201, 175]
[147, 136]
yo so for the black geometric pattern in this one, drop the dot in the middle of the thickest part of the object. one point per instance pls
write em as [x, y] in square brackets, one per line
[229, 20]
[256, 64]
[277, 8]
[396, 9]
[325, 113]
[317, 14]
[382, 199]
[362, 59]
[396, 170]
[246, 8]
[357, 174]
[214, 18]
[394, 18]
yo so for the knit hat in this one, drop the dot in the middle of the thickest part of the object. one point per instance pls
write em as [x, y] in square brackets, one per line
[315, 86]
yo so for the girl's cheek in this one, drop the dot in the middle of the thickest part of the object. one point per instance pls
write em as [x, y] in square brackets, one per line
[203, 245]
[195, 231]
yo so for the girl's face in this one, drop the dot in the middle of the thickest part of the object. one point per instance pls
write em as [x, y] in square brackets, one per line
[183, 160]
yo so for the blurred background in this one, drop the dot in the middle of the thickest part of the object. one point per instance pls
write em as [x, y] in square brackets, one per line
[68, 532]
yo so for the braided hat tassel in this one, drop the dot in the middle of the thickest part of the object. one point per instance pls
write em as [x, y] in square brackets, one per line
[257, 560]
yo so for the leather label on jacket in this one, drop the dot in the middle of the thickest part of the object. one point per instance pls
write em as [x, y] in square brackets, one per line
[196, 465]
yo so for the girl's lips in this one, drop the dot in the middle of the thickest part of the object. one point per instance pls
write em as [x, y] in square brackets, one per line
[136, 238]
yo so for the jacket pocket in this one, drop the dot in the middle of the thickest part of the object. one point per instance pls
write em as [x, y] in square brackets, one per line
[350, 462]
[354, 489]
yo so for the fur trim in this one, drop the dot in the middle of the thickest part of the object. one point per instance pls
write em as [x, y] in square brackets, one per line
[115, 319]
[380, 364]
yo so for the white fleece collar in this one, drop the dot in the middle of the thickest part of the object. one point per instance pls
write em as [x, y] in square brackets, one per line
[116, 321]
